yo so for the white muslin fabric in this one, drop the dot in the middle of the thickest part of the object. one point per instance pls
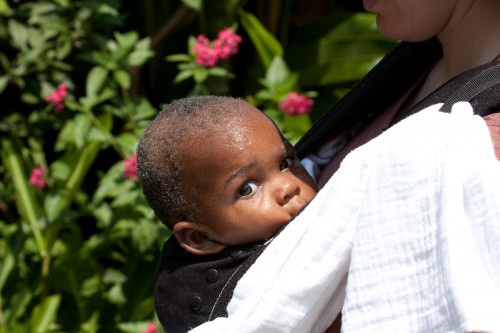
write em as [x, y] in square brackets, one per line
[405, 237]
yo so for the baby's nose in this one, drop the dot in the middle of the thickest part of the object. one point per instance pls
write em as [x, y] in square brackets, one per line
[287, 191]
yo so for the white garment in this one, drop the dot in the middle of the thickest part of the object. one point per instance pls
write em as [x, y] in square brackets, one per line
[412, 219]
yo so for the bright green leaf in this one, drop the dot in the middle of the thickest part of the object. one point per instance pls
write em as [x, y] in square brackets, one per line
[123, 78]
[142, 52]
[265, 43]
[183, 76]
[178, 57]
[91, 286]
[116, 295]
[29, 98]
[125, 198]
[95, 80]
[128, 142]
[200, 74]
[194, 4]
[59, 169]
[127, 40]
[19, 34]
[219, 71]
[277, 71]
[63, 48]
[135, 327]
[105, 9]
[81, 128]
[45, 314]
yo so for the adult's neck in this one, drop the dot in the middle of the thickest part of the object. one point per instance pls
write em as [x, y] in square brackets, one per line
[471, 37]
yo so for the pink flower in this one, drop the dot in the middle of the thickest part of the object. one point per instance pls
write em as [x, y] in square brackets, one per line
[130, 167]
[206, 55]
[151, 328]
[36, 178]
[226, 43]
[57, 97]
[296, 105]
[224, 46]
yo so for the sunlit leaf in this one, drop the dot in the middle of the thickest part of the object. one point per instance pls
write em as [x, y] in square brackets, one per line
[44, 314]
[178, 57]
[19, 34]
[95, 80]
[194, 4]
[183, 76]
[141, 53]
[277, 71]
[123, 78]
[265, 43]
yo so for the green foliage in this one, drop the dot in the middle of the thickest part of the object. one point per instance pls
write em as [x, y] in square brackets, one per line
[80, 81]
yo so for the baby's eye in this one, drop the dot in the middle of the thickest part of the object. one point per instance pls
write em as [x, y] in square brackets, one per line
[247, 189]
[286, 163]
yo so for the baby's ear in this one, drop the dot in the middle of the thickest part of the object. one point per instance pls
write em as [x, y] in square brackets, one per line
[193, 238]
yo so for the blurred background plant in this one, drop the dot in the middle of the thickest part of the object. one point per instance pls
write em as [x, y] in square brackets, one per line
[80, 80]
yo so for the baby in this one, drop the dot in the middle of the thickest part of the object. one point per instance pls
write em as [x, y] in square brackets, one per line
[221, 176]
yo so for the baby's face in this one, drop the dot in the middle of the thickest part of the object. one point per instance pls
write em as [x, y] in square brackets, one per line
[246, 180]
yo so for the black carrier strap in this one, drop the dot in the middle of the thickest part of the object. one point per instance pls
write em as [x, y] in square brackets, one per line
[484, 80]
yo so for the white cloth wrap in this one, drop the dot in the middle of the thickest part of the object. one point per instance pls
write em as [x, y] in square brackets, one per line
[412, 219]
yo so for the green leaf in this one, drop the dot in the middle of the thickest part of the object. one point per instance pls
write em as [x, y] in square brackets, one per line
[297, 126]
[60, 170]
[116, 295]
[19, 303]
[65, 136]
[141, 53]
[45, 314]
[91, 285]
[81, 127]
[64, 48]
[265, 43]
[220, 71]
[81, 160]
[139, 57]
[29, 98]
[128, 142]
[123, 78]
[125, 198]
[178, 57]
[183, 75]
[114, 276]
[277, 71]
[26, 201]
[9, 259]
[4, 7]
[127, 40]
[103, 214]
[106, 9]
[95, 80]
[194, 4]
[18, 34]
[200, 74]
[339, 70]
[144, 110]
[98, 135]
[144, 235]
[92, 324]
[135, 327]
[4, 80]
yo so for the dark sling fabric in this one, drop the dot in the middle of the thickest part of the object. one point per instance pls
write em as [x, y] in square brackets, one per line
[383, 85]
[392, 77]
[193, 289]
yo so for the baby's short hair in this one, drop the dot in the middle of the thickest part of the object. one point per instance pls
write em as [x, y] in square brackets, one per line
[158, 161]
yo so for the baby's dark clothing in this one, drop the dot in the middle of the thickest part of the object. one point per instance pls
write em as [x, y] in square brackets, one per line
[193, 289]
